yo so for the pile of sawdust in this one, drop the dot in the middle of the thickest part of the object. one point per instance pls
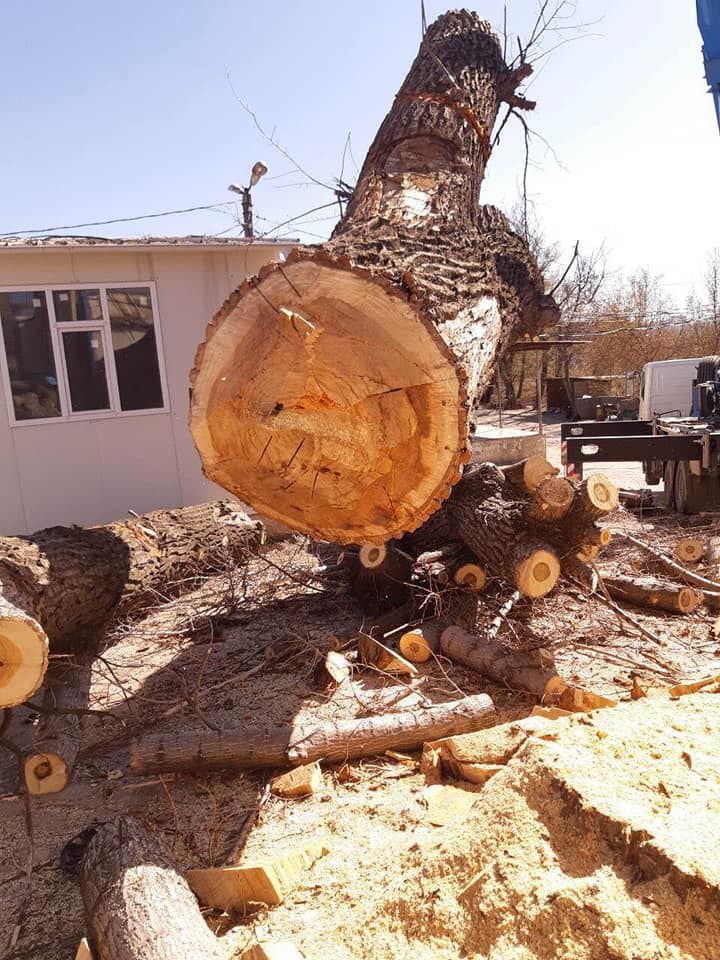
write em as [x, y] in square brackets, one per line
[598, 840]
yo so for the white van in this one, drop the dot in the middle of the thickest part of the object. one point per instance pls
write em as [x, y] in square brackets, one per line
[666, 387]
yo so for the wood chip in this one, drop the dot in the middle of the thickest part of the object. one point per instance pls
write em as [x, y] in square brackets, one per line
[300, 782]
[447, 804]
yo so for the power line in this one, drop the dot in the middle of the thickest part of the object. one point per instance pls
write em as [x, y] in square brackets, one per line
[103, 223]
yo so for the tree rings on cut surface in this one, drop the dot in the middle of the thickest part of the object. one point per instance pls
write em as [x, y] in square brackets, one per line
[23, 655]
[326, 399]
[372, 555]
[472, 576]
[45, 773]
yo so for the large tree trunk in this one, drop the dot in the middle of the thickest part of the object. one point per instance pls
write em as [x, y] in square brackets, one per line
[137, 905]
[332, 742]
[332, 391]
[67, 582]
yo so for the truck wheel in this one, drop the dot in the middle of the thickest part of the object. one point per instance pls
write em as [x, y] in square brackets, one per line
[669, 484]
[690, 491]
[707, 372]
[653, 470]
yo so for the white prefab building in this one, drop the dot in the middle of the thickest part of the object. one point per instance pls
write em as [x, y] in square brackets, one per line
[97, 338]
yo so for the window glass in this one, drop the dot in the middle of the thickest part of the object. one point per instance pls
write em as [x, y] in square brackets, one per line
[85, 364]
[135, 349]
[77, 306]
[29, 354]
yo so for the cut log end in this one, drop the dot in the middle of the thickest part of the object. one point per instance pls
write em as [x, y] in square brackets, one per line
[529, 473]
[689, 550]
[23, 655]
[553, 499]
[372, 555]
[45, 773]
[537, 573]
[601, 493]
[419, 644]
[472, 576]
[329, 401]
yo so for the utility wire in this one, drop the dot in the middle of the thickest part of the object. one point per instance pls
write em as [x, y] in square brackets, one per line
[103, 223]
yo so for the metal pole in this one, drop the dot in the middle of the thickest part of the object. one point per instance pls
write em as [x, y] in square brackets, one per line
[247, 212]
[538, 389]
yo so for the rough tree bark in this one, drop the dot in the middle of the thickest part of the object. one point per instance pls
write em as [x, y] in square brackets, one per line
[331, 392]
[254, 748]
[66, 582]
[137, 905]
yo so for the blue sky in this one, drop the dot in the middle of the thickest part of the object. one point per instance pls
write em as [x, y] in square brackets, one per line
[115, 110]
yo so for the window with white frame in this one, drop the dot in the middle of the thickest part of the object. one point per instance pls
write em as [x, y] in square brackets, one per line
[72, 351]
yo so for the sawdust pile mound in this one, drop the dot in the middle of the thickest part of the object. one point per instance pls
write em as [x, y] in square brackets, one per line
[599, 840]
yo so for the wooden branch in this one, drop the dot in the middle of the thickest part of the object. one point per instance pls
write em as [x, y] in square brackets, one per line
[250, 748]
[419, 644]
[529, 473]
[137, 905]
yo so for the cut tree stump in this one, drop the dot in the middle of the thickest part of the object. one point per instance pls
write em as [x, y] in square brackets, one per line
[268, 881]
[253, 748]
[137, 905]
[67, 582]
[331, 392]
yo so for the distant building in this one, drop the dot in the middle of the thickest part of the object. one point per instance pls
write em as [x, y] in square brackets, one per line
[97, 340]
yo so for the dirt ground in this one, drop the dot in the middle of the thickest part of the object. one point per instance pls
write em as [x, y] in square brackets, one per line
[390, 885]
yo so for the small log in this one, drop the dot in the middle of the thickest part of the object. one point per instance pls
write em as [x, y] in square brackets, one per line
[268, 881]
[652, 593]
[23, 655]
[48, 767]
[528, 474]
[419, 644]
[533, 567]
[137, 905]
[689, 550]
[250, 748]
[596, 496]
[551, 500]
[300, 782]
[532, 671]
[472, 576]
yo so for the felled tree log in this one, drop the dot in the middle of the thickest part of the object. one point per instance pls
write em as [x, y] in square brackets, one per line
[137, 905]
[67, 582]
[530, 670]
[652, 593]
[331, 392]
[250, 748]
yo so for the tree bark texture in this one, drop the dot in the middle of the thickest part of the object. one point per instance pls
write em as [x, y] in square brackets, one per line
[332, 390]
[137, 905]
[66, 582]
[253, 748]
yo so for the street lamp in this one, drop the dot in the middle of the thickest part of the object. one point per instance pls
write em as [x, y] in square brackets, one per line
[259, 170]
